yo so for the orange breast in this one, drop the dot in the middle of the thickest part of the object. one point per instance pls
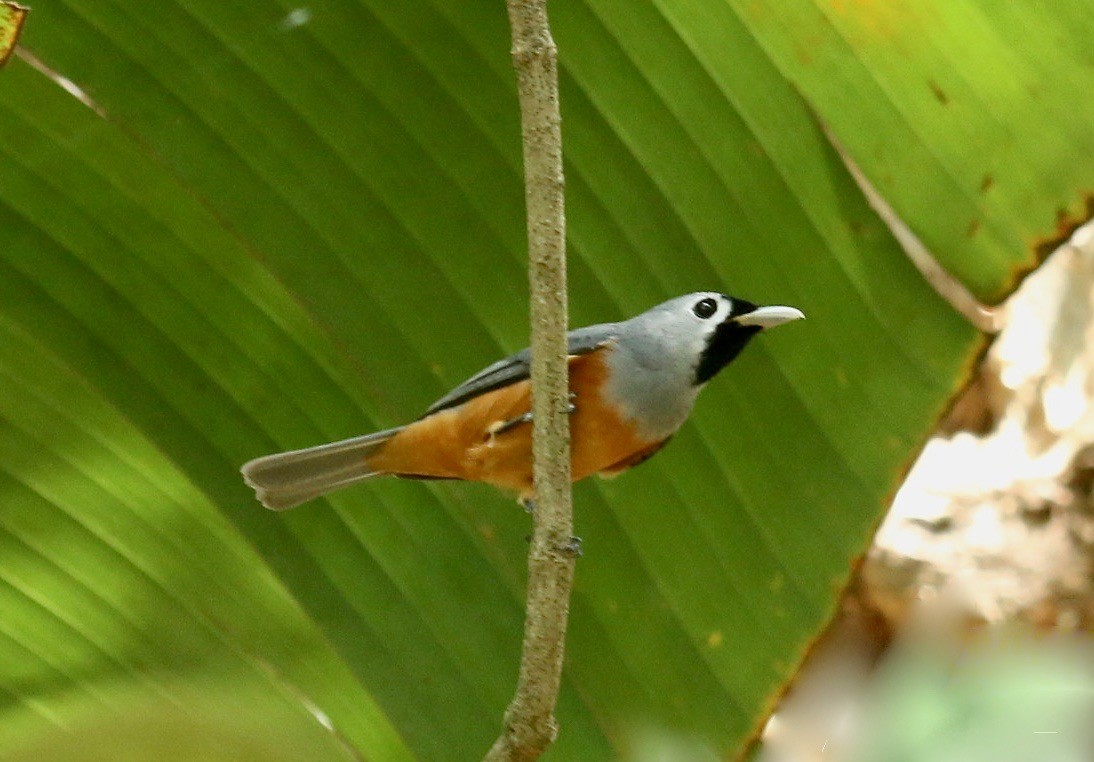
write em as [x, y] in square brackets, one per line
[461, 443]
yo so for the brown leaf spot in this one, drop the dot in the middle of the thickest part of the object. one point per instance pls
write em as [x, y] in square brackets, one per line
[1066, 223]
[939, 93]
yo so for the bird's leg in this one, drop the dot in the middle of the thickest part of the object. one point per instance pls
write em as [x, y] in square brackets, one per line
[500, 427]
[529, 503]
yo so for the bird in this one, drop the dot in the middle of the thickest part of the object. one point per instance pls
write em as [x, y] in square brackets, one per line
[632, 385]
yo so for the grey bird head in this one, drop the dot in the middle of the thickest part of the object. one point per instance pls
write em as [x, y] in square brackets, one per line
[664, 356]
[704, 331]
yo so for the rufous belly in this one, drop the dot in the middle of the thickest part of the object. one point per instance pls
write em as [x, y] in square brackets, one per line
[465, 442]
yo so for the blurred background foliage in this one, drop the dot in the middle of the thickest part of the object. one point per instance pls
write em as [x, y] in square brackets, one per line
[233, 228]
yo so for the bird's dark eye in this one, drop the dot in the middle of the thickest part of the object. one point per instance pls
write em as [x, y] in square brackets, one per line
[704, 308]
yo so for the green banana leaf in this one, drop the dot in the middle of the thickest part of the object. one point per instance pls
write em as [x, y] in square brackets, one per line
[244, 227]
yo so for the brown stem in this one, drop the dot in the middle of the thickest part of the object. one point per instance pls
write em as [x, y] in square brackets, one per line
[529, 723]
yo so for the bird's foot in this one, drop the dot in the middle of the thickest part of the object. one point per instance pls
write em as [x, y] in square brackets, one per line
[572, 548]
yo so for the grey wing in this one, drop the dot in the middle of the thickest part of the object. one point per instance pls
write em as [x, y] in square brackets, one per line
[519, 366]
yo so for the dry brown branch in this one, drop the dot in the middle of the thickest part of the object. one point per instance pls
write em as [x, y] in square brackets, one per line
[529, 723]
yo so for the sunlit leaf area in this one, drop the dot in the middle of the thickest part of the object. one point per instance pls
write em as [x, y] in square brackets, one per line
[233, 228]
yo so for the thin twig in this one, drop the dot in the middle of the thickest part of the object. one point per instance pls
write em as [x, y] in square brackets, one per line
[529, 723]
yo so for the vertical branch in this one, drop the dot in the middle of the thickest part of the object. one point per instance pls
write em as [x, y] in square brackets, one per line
[529, 724]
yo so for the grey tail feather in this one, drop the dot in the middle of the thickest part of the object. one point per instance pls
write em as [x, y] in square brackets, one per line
[288, 479]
